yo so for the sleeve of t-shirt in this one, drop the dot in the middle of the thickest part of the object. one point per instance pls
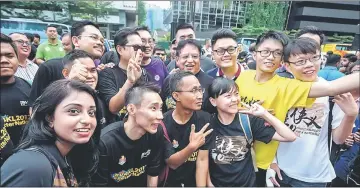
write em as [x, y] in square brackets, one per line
[260, 131]
[107, 85]
[297, 92]
[27, 169]
[154, 166]
[100, 178]
[206, 119]
[338, 115]
[40, 52]
[40, 82]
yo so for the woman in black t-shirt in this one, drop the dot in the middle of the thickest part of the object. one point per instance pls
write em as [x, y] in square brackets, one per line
[58, 145]
[230, 160]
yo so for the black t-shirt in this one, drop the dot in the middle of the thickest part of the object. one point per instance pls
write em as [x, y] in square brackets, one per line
[179, 135]
[169, 103]
[14, 107]
[125, 162]
[110, 57]
[230, 161]
[105, 117]
[110, 82]
[6, 145]
[32, 52]
[48, 72]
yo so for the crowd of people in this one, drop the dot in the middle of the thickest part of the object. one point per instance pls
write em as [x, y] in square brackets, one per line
[282, 114]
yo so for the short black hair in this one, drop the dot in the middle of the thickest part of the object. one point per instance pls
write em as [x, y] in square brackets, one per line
[221, 85]
[65, 34]
[176, 80]
[6, 39]
[78, 27]
[36, 35]
[121, 37]
[252, 47]
[52, 25]
[351, 57]
[301, 46]
[29, 36]
[142, 28]
[312, 30]
[275, 35]
[183, 26]
[69, 58]
[332, 60]
[135, 94]
[221, 34]
[183, 43]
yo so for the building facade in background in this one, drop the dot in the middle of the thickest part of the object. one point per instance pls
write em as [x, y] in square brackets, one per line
[341, 17]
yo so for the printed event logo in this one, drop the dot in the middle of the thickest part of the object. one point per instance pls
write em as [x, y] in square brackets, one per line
[157, 77]
[175, 143]
[122, 160]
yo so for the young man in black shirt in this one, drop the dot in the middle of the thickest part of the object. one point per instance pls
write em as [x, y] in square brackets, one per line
[85, 35]
[187, 154]
[131, 151]
[188, 59]
[14, 92]
[78, 65]
[225, 53]
[114, 82]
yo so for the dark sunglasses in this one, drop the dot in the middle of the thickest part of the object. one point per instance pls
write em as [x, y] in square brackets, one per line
[137, 47]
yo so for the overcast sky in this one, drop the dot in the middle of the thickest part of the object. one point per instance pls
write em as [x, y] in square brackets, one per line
[162, 4]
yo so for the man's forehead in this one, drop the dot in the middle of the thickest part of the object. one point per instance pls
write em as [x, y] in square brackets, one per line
[184, 32]
[16, 36]
[6, 48]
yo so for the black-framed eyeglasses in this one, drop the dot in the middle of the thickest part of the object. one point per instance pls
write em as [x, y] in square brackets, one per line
[137, 47]
[195, 91]
[94, 37]
[301, 62]
[266, 53]
[22, 43]
[229, 50]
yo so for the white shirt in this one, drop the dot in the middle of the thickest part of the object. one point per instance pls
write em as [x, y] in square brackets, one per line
[28, 71]
[307, 158]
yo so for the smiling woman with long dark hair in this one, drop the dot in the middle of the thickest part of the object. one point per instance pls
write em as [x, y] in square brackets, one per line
[58, 147]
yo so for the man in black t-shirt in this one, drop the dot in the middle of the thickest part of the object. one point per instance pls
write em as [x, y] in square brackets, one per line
[6, 145]
[187, 154]
[78, 65]
[114, 82]
[85, 35]
[188, 59]
[131, 152]
[14, 92]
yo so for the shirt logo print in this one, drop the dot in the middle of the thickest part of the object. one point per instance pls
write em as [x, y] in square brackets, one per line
[145, 154]
[122, 160]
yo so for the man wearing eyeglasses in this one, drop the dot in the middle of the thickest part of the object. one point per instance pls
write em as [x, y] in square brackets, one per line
[281, 94]
[225, 52]
[154, 66]
[183, 32]
[187, 152]
[26, 69]
[50, 49]
[188, 59]
[311, 148]
[114, 82]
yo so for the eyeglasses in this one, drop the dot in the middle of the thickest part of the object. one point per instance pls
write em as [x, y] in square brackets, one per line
[187, 56]
[137, 47]
[149, 41]
[194, 91]
[94, 37]
[22, 43]
[301, 62]
[222, 51]
[266, 53]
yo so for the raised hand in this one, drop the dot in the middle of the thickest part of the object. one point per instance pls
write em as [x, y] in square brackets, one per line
[255, 109]
[347, 104]
[134, 69]
[196, 140]
[78, 71]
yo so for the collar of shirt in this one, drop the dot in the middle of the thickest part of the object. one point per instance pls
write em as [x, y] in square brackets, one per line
[28, 63]
[330, 68]
[221, 73]
[57, 43]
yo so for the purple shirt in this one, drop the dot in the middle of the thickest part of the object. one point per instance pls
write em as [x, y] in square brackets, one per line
[157, 71]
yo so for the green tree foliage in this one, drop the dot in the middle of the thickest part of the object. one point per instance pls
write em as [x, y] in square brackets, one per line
[267, 14]
[91, 10]
[141, 11]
